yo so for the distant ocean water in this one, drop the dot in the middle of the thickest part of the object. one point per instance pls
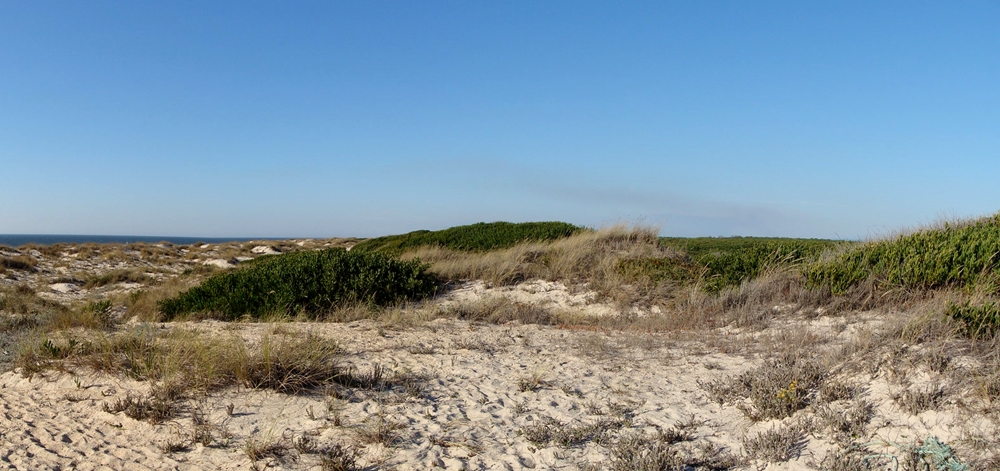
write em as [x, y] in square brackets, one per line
[15, 240]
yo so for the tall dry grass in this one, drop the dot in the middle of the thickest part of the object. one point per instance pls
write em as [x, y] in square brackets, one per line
[590, 258]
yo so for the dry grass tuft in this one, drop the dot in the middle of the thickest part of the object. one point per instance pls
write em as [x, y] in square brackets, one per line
[776, 445]
[501, 310]
[849, 423]
[339, 458]
[547, 431]
[118, 276]
[641, 452]
[380, 429]
[18, 262]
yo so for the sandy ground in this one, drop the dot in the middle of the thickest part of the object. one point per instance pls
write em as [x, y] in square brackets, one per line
[471, 410]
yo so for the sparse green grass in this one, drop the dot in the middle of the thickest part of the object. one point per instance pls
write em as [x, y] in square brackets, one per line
[309, 282]
[479, 237]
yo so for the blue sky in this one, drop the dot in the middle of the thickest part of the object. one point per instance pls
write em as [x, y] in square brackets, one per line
[805, 119]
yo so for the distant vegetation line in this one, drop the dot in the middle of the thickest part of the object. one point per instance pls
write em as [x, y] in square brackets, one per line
[17, 240]
[479, 237]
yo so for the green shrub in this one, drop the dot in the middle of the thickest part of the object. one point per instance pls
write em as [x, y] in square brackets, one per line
[978, 322]
[955, 255]
[309, 282]
[731, 268]
[679, 270]
[479, 237]
[699, 247]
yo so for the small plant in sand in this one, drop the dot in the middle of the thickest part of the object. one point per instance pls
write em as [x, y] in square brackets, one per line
[153, 408]
[777, 444]
[259, 447]
[775, 390]
[339, 458]
[533, 381]
[380, 429]
[849, 423]
[916, 401]
[659, 452]
[547, 430]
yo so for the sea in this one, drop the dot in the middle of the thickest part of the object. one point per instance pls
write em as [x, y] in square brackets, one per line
[15, 240]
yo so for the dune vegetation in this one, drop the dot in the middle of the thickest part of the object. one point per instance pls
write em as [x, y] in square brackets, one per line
[838, 347]
[308, 282]
[479, 237]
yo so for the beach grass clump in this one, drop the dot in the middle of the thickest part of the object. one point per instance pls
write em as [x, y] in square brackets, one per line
[18, 262]
[118, 276]
[479, 237]
[952, 255]
[308, 282]
[93, 315]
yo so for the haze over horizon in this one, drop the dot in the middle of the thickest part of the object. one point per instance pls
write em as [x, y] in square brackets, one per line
[315, 119]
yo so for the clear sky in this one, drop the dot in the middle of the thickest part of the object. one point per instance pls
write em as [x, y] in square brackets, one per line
[295, 119]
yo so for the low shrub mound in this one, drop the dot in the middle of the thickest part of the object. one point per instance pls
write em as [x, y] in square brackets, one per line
[308, 282]
[479, 237]
[961, 255]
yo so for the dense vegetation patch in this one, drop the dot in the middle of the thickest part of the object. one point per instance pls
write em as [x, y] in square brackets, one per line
[720, 262]
[479, 237]
[979, 321]
[960, 255]
[308, 282]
